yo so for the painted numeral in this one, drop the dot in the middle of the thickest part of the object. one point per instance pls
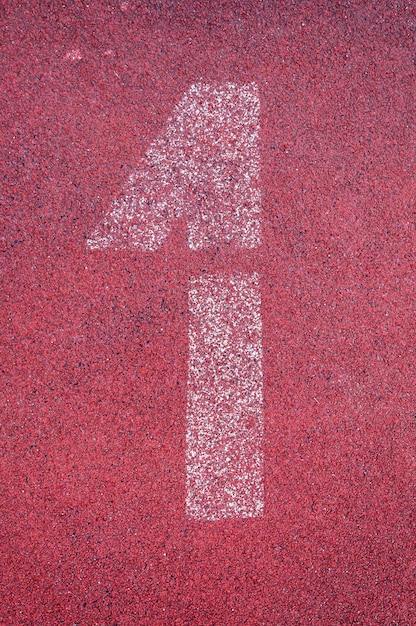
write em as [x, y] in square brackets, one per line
[205, 166]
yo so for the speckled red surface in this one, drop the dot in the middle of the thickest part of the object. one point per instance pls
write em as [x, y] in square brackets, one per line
[94, 343]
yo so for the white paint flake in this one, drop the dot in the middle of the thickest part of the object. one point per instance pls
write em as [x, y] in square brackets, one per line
[73, 55]
[224, 422]
[205, 166]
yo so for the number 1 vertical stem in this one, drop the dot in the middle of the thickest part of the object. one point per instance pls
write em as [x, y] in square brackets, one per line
[224, 421]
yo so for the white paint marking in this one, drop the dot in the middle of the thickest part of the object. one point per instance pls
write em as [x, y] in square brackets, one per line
[224, 422]
[205, 165]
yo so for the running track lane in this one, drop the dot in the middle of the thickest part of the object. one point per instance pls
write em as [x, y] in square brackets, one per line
[95, 346]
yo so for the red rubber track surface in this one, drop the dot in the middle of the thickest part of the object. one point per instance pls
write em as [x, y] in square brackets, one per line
[94, 343]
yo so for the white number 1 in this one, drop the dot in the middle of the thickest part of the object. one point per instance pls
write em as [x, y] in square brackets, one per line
[206, 167]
